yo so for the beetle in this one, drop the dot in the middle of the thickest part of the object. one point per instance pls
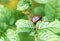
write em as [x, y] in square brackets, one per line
[36, 18]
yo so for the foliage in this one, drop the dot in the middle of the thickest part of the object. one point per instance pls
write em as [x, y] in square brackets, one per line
[24, 25]
[16, 23]
[5, 15]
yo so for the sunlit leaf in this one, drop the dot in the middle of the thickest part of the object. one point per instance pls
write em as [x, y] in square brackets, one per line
[5, 15]
[12, 35]
[24, 25]
[46, 35]
[23, 5]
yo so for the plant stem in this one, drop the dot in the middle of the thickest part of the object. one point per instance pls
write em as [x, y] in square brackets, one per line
[36, 37]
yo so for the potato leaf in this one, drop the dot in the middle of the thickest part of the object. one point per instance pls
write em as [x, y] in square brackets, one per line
[23, 5]
[52, 9]
[24, 25]
[46, 35]
[5, 15]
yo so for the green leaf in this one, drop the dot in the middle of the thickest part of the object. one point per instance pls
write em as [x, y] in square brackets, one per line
[2, 39]
[46, 35]
[3, 27]
[52, 26]
[24, 25]
[12, 35]
[43, 24]
[23, 5]
[5, 15]
[52, 10]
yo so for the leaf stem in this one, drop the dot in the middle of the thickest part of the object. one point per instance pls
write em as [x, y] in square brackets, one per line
[36, 37]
